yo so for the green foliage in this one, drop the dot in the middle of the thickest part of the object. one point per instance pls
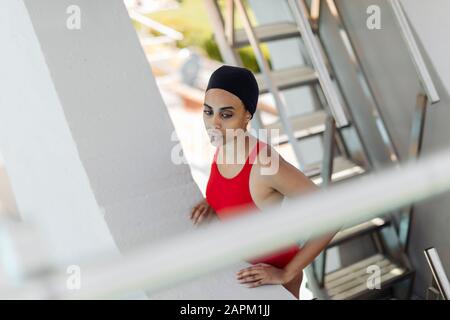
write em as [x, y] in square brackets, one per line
[192, 20]
[247, 56]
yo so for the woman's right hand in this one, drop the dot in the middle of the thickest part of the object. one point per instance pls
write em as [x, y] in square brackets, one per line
[202, 212]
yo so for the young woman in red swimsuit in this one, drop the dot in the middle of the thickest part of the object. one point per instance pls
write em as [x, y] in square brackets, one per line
[235, 186]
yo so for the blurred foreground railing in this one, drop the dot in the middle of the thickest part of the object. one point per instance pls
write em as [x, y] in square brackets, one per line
[217, 246]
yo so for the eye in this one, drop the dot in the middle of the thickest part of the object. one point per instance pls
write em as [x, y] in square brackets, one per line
[227, 115]
[207, 112]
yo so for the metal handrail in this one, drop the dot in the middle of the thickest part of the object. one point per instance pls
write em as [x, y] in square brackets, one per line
[319, 263]
[229, 23]
[270, 82]
[437, 269]
[414, 52]
[367, 90]
[300, 14]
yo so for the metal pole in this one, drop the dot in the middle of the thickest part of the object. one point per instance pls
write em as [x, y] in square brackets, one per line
[299, 11]
[414, 52]
[439, 275]
[265, 69]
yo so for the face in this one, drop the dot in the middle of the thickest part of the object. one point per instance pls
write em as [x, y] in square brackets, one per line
[224, 113]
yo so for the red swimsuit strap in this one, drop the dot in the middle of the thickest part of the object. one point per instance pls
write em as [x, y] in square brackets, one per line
[259, 146]
[253, 153]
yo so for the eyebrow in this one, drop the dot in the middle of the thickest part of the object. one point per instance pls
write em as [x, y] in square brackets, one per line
[223, 108]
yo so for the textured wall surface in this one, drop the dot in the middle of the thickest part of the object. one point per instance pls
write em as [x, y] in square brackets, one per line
[50, 185]
[87, 139]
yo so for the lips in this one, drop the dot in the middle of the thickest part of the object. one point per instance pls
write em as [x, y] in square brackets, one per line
[215, 136]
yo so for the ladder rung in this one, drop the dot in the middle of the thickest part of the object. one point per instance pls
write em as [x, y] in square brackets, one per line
[358, 230]
[288, 78]
[353, 267]
[304, 125]
[351, 282]
[342, 168]
[349, 277]
[358, 278]
[267, 32]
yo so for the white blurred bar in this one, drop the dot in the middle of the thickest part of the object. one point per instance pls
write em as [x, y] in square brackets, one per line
[214, 247]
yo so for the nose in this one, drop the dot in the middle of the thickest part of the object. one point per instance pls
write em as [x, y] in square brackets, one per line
[217, 122]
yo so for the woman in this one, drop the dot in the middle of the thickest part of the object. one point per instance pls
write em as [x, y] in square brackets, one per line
[236, 186]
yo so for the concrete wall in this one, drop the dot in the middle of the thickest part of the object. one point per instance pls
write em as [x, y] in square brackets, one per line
[117, 117]
[87, 140]
[39, 153]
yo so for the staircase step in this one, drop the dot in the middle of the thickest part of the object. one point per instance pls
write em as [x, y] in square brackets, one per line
[350, 269]
[358, 230]
[304, 125]
[288, 78]
[351, 282]
[267, 32]
[343, 168]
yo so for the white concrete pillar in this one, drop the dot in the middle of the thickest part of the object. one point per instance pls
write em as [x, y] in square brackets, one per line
[85, 135]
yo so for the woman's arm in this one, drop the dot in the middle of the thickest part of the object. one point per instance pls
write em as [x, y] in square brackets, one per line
[291, 182]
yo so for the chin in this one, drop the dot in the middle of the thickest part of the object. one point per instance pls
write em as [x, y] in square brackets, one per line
[216, 142]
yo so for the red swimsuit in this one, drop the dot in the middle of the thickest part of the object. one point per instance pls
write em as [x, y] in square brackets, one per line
[231, 196]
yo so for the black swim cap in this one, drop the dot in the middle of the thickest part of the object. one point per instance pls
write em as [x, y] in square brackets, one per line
[239, 81]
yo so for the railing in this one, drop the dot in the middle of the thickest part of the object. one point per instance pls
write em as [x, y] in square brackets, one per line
[301, 16]
[214, 247]
[417, 128]
[439, 275]
[414, 52]
[270, 82]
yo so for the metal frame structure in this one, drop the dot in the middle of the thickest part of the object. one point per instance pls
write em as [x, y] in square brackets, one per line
[363, 81]
[306, 20]
[226, 37]
[301, 17]
[415, 54]
[265, 68]
[430, 96]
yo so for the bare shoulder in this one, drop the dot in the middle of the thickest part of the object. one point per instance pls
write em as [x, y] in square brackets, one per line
[269, 157]
[266, 158]
[282, 175]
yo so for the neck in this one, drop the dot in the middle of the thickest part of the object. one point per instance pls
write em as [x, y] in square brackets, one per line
[236, 149]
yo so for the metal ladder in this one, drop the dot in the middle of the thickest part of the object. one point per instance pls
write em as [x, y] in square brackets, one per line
[327, 122]
[291, 129]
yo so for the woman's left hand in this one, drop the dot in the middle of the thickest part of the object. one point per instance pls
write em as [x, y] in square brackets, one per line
[261, 274]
